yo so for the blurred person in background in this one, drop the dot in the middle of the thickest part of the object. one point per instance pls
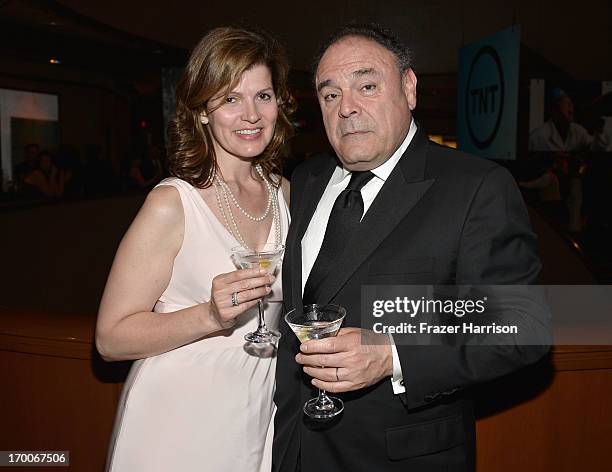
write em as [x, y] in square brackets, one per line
[45, 180]
[560, 133]
[145, 172]
[565, 140]
[68, 161]
[98, 175]
[549, 191]
[27, 165]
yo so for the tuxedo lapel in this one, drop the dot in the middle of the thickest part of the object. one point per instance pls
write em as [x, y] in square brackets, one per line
[400, 193]
[315, 185]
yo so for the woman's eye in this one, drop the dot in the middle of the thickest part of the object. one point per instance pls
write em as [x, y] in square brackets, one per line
[230, 100]
[265, 97]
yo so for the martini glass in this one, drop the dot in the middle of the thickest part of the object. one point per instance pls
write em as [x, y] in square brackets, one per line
[318, 322]
[268, 257]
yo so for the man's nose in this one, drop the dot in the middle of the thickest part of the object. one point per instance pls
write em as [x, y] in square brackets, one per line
[250, 112]
[348, 105]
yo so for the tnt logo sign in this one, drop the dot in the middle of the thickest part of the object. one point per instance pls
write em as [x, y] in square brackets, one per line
[481, 103]
[484, 99]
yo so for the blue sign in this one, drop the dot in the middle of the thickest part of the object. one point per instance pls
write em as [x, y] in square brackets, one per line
[488, 95]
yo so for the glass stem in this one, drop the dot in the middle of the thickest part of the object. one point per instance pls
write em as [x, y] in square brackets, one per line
[323, 401]
[262, 328]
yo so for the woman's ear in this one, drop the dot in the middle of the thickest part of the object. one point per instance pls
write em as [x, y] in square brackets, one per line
[203, 118]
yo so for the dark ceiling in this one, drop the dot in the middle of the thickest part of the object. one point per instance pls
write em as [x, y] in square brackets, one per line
[574, 37]
[39, 31]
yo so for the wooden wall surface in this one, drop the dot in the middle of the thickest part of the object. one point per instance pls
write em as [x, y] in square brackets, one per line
[57, 394]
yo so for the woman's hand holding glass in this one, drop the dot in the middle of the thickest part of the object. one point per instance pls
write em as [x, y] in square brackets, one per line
[235, 292]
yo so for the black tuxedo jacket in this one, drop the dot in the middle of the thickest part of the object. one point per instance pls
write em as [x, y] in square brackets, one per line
[442, 217]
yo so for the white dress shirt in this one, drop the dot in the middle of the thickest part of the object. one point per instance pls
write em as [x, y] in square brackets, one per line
[313, 237]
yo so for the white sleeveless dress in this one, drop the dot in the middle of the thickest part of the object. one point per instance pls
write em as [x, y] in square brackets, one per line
[206, 406]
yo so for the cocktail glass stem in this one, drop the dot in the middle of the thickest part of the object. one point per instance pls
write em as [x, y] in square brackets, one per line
[262, 334]
[261, 327]
[323, 402]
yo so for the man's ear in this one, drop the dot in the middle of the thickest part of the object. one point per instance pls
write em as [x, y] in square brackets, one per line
[409, 85]
[203, 118]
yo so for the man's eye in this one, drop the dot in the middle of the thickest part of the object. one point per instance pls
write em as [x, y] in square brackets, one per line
[369, 87]
[328, 97]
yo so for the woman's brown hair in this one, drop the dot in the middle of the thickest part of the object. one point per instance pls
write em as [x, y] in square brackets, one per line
[215, 67]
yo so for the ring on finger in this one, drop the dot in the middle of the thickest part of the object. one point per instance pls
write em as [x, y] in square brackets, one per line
[235, 299]
[337, 378]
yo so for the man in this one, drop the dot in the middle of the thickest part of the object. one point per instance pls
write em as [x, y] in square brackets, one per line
[562, 138]
[560, 133]
[428, 215]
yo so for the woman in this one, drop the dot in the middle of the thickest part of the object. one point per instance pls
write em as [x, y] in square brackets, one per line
[45, 180]
[196, 399]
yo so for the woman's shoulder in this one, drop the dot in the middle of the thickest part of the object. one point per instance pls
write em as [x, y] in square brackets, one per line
[164, 203]
[278, 179]
[175, 182]
[283, 184]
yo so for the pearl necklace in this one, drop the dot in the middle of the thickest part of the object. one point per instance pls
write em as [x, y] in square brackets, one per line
[224, 195]
[228, 191]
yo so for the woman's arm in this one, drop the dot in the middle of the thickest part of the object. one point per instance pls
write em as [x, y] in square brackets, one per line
[127, 328]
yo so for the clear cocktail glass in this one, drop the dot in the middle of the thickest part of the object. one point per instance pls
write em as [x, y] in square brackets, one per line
[266, 256]
[318, 322]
